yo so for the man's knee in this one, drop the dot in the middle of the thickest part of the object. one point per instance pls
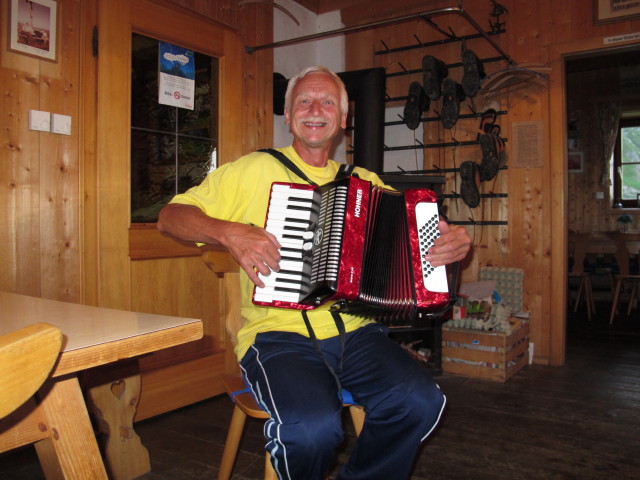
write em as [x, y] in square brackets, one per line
[306, 444]
[418, 404]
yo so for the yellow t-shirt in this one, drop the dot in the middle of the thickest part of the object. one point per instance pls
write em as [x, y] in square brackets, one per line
[239, 192]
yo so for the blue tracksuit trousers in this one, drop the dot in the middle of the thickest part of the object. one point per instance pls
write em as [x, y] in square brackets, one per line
[292, 382]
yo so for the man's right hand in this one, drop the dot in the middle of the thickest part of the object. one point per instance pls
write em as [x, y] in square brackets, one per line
[252, 247]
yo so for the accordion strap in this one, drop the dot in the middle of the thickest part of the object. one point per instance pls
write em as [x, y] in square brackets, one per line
[314, 340]
[343, 171]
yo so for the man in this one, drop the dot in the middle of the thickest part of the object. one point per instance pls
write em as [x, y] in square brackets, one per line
[295, 377]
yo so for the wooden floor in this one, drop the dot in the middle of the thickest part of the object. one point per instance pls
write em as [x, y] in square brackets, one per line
[580, 421]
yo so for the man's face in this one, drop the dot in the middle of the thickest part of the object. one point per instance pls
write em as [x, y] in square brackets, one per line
[315, 116]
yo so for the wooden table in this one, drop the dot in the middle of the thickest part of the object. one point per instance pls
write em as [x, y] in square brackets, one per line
[615, 243]
[59, 423]
[622, 242]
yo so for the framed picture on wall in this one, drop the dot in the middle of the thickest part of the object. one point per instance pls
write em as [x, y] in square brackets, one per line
[575, 162]
[606, 11]
[33, 28]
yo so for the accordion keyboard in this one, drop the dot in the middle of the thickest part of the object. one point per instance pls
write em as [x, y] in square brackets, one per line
[291, 218]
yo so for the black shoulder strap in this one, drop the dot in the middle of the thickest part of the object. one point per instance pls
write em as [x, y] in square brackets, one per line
[289, 164]
[343, 171]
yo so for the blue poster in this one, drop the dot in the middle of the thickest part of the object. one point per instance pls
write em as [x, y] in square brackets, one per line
[176, 85]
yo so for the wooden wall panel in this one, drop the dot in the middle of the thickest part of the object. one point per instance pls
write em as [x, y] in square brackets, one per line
[585, 91]
[49, 183]
[535, 238]
[60, 165]
[64, 208]
[41, 229]
[47, 180]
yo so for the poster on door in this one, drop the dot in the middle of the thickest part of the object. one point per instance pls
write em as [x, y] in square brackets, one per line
[176, 85]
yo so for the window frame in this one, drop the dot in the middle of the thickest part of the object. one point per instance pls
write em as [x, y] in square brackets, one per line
[616, 165]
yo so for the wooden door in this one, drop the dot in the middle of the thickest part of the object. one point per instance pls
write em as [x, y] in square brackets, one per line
[134, 267]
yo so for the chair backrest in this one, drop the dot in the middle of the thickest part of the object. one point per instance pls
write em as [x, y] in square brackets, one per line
[578, 250]
[26, 359]
[225, 267]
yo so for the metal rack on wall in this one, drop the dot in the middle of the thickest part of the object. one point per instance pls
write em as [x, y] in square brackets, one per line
[497, 28]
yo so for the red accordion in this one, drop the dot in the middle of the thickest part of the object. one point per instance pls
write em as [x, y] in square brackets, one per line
[358, 244]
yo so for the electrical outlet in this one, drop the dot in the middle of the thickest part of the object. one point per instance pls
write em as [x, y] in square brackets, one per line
[40, 121]
[61, 124]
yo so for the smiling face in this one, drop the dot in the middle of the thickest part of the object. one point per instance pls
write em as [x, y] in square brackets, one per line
[315, 117]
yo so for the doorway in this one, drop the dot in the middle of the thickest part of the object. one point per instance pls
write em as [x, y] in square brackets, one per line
[601, 91]
[558, 53]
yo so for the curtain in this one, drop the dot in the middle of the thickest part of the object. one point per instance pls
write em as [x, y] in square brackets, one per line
[608, 118]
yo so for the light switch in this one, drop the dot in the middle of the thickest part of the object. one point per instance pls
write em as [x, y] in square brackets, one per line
[61, 124]
[39, 120]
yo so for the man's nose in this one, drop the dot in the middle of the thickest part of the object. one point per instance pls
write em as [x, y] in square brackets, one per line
[315, 106]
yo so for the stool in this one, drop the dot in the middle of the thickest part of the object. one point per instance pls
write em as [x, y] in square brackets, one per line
[246, 405]
[633, 295]
[585, 290]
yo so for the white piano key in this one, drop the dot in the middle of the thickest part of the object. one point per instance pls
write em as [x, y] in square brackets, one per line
[292, 243]
[270, 295]
[292, 265]
[278, 189]
[290, 281]
[288, 204]
[299, 229]
[301, 234]
[282, 215]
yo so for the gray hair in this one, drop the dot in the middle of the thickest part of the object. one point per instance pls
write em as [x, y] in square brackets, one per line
[344, 99]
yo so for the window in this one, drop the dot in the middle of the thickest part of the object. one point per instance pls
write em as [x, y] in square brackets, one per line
[172, 148]
[626, 164]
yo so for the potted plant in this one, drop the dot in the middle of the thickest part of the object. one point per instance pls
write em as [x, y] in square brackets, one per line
[623, 222]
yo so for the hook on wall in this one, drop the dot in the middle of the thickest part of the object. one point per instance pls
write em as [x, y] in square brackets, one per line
[498, 10]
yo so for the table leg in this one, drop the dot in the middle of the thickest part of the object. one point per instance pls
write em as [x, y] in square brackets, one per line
[114, 392]
[71, 451]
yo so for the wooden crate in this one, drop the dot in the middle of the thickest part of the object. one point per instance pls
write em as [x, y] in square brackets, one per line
[488, 355]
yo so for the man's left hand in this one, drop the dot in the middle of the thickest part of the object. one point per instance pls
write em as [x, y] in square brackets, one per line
[452, 246]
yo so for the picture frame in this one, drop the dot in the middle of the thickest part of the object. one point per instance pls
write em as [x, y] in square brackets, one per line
[33, 28]
[575, 162]
[604, 11]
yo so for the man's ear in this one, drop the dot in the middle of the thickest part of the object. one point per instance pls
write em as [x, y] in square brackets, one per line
[343, 123]
[286, 117]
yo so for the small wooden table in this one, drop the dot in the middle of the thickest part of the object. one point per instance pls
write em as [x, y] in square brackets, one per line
[621, 241]
[615, 243]
[59, 424]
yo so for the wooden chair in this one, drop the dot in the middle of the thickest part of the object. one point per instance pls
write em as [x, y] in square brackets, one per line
[245, 404]
[634, 292]
[577, 250]
[26, 359]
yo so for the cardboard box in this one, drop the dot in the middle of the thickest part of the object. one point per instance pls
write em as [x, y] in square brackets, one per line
[493, 356]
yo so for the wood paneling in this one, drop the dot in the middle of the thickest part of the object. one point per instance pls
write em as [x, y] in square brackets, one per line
[65, 232]
[535, 238]
[40, 234]
[65, 227]
[146, 271]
